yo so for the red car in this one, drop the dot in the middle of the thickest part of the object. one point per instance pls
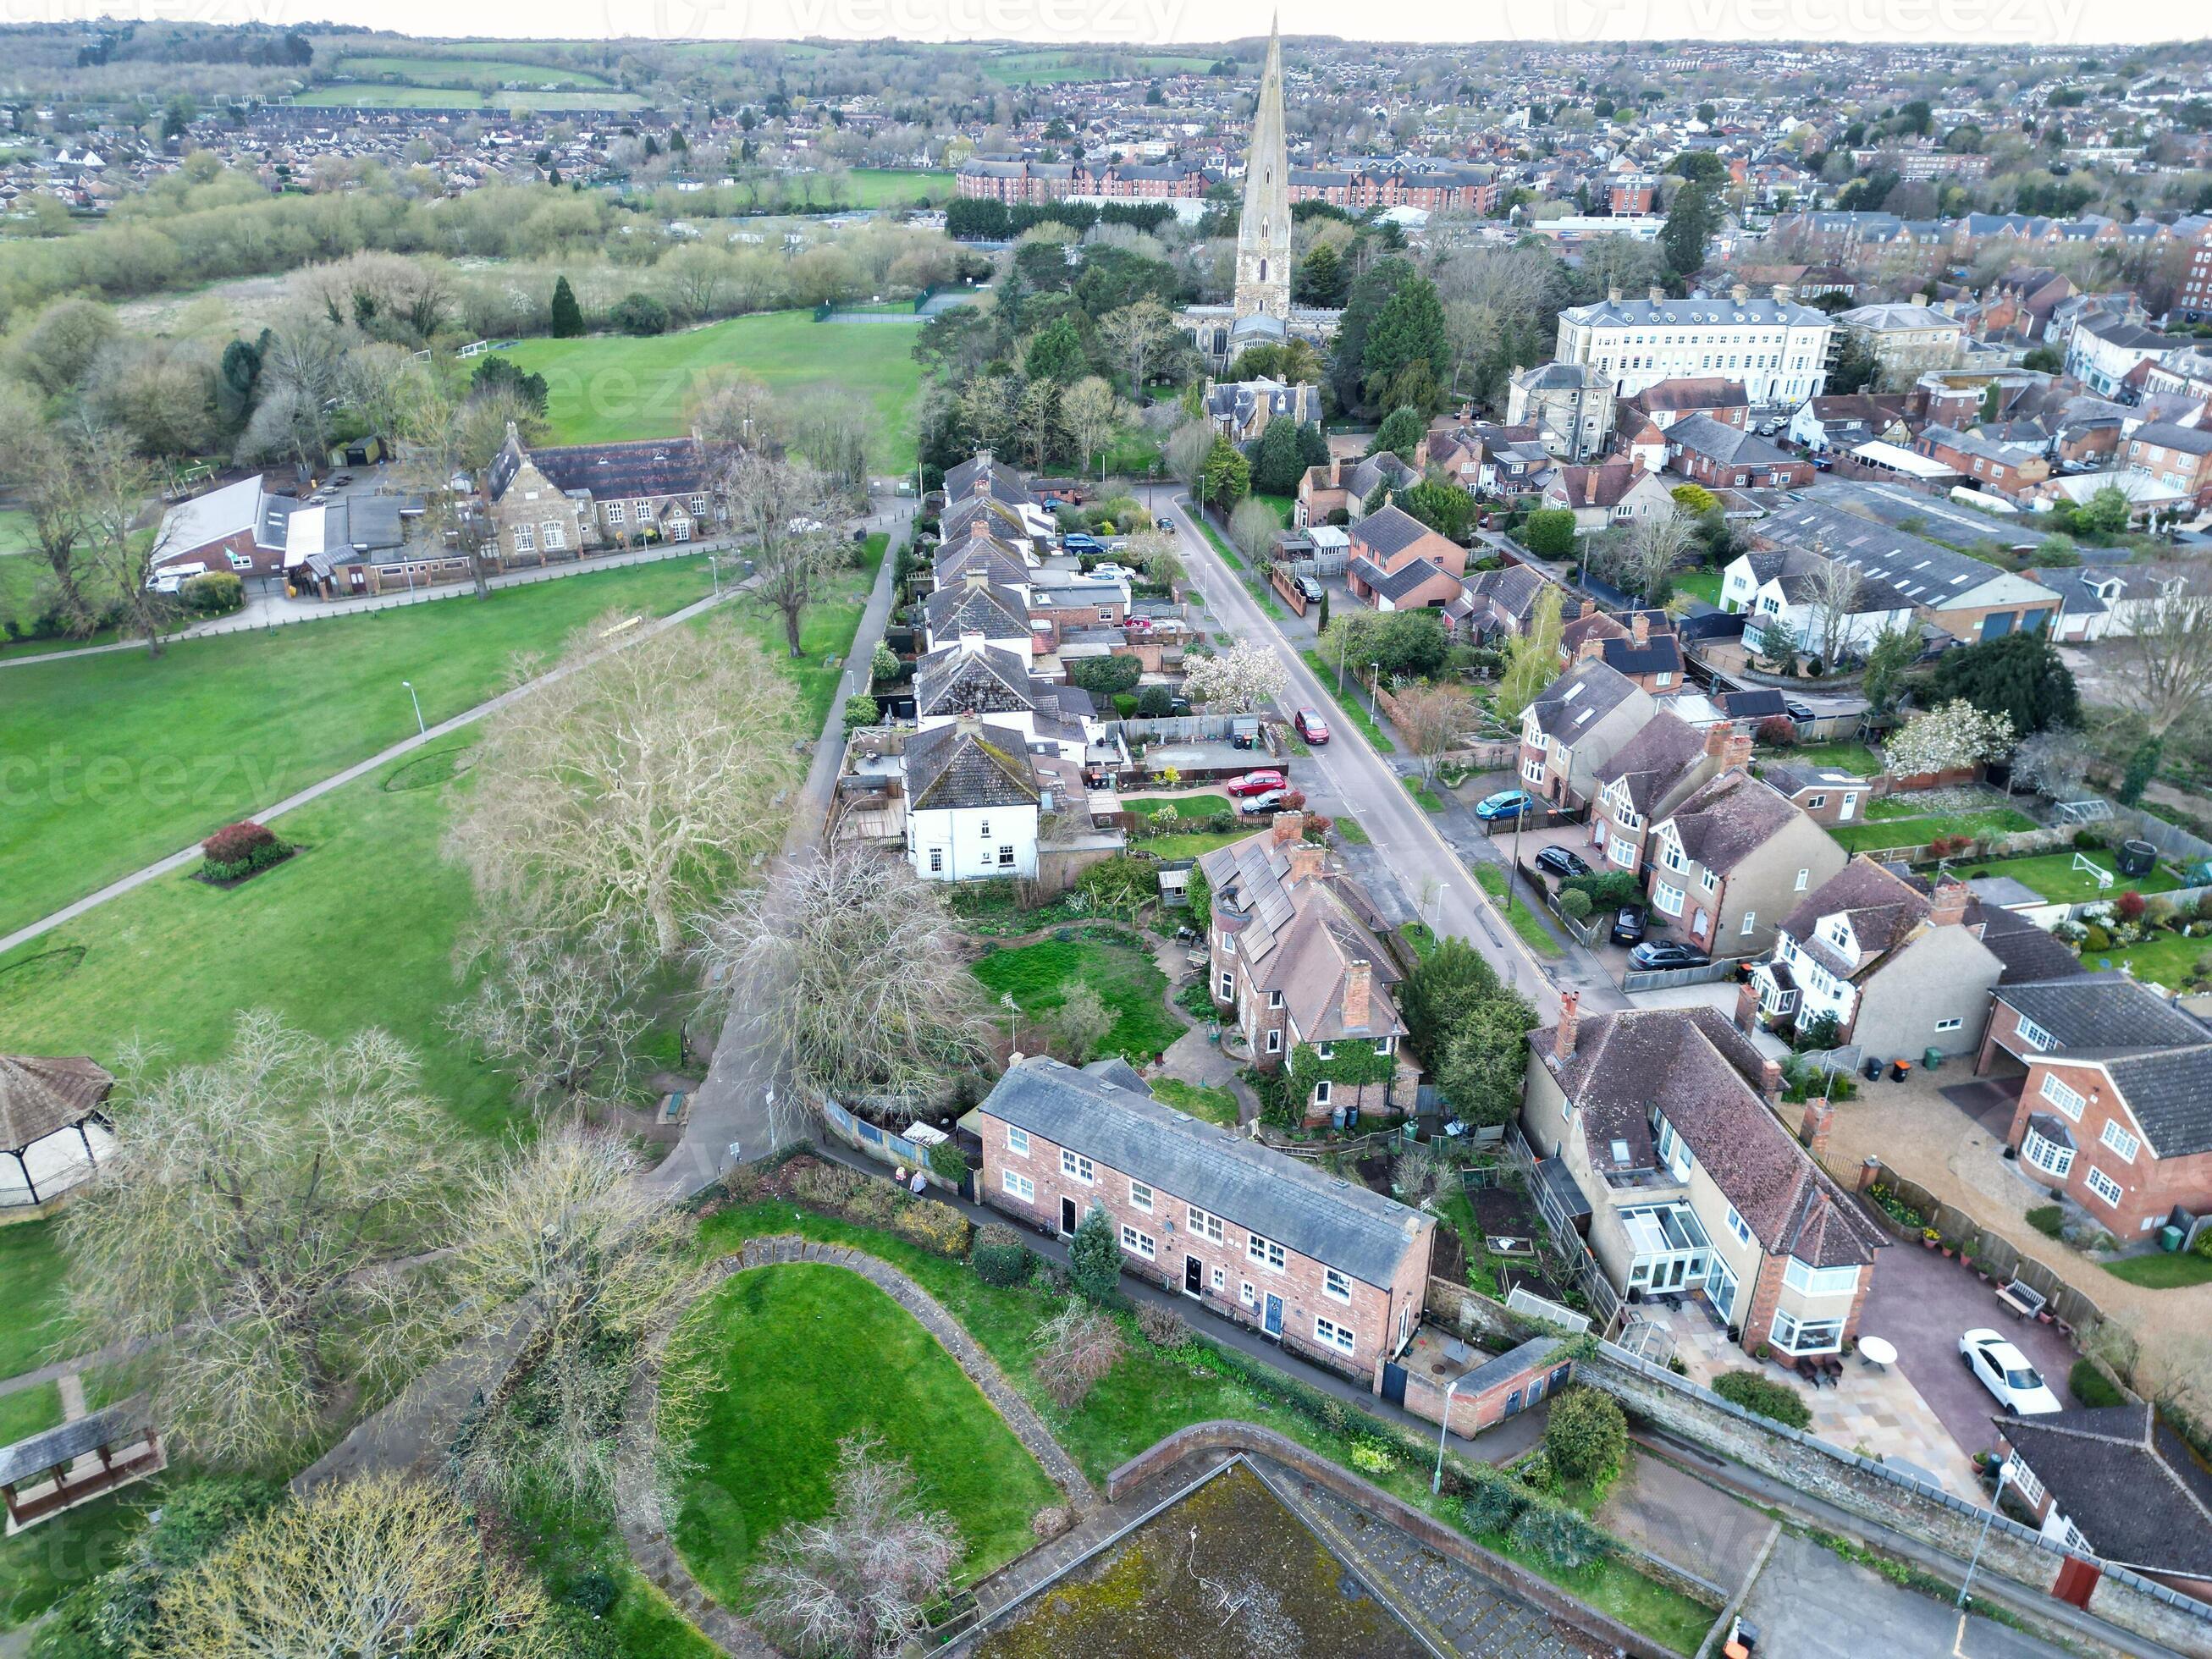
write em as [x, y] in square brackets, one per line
[1311, 727]
[1255, 783]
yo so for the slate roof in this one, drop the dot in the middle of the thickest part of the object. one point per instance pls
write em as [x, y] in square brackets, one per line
[999, 564]
[2126, 1480]
[1729, 819]
[2189, 440]
[948, 766]
[2027, 952]
[2169, 1095]
[1731, 445]
[1513, 589]
[992, 609]
[1338, 1222]
[1925, 574]
[1579, 698]
[1387, 532]
[954, 679]
[40, 1096]
[1004, 521]
[2105, 1013]
[1395, 585]
[1529, 1355]
[1691, 1064]
[1676, 313]
[1884, 910]
[983, 474]
[650, 466]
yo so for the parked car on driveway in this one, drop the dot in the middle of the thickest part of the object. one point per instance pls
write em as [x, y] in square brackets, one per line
[1311, 727]
[1252, 806]
[1505, 803]
[1628, 925]
[1255, 783]
[1562, 862]
[2004, 1371]
[1659, 953]
[1310, 589]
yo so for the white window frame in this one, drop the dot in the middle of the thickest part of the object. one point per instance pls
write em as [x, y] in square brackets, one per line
[2119, 1140]
[617, 512]
[1019, 1185]
[1075, 1167]
[1951, 1025]
[1804, 879]
[1137, 1244]
[1750, 920]
[1330, 1334]
[2062, 1095]
[1267, 1253]
[2048, 1155]
[1335, 1284]
[1017, 1141]
[1220, 1277]
[525, 539]
[1739, 1226]
[1140, 1196]
[1808, 1280]
[1320, 1094]
[1274, 1040]
[2098, 1182]
[553, 536]
[1667, 899]
[2033, 1036]
[1228, 986]
[1203, 1225]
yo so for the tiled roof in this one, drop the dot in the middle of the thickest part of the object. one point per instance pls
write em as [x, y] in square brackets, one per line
[1654, 759]
[40, 1096]
[995, 612]
[949, 768]
[653, 466]
[955, 680]
[1395, 585]
[1579, 698]
[1338, 1222]
[1731, 445]
[2137, 1493]
[1388, 531]
[1728, 818]
[2027, 952]
[2108, 1013]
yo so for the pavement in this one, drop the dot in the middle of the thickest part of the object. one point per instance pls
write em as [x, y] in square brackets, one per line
[1811, 1603]
[1431, 874]
[1687, 1522]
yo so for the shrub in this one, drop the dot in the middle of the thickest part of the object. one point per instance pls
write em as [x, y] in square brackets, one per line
[825, 1185]
[1163, 1327]
[937, 1227]
[948, 1162]
[594, 1592]
[237, 850]
[1373, 1457]
[2091, 1386]
[2202, 1246]
[1048, 1522]
[1549, 533]
[1575, 905]
[1608, 890]
[213, 593]
[1559, 1536]
[1495, 1503]
[2047, 1219]
[1094, 1259]
[640, 314]
[1765, 1396]
[1000, 1257]
[2095, 938]
[1778, 730]
[1076, 1347]
[1586, 1435]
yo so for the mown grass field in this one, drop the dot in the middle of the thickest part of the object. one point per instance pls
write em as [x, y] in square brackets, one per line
[116, 760]
[31, 1269]
[459, 70]
[1881, 833]
[2053, 875]
[377, 95]
[807, 1354]
[609, 387]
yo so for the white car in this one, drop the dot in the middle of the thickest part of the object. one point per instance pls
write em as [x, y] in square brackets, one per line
[2004, 1371]
[1112, 573]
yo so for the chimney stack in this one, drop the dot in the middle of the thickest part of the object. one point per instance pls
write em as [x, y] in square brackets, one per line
[1612, 295]
[1920, 299]
[1947, 906]
[1586, 608]
[1570, 1019]
[1639, 627]
[1746, 1007]
[1658, 294]
[1718, 738]
[1286, 827]
[978, 578]
[1770, 1076]
[1591, 649]
[1785, 293]
[1740, 293]
[1305, 857]
[1358, 992]
[1820, 1118]
[1737, 751]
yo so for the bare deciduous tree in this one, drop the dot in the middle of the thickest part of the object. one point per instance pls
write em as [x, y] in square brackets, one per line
[632, 785]
[1075, 1348]
[558, 1009]
[1655, 548]
[256, 1204]
[1187, 446]
[1245, 677]
[1091, 412]
[1080, 1025]
[1136, 332]
[855, 1582]
[42, 471]
[852, 976]
[1253, 527]
[1433, 719]
[833, 432]
[384, 1567]
[565, 1233]
[785, 513]
[1833, 588]
[2167, 660]
[119, 550]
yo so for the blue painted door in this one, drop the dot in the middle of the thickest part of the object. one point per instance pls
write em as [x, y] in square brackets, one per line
[1273, 1317]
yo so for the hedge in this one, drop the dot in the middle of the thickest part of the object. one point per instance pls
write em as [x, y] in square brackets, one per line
[1765, 1396]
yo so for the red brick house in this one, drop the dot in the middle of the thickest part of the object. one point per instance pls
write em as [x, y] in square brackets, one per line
[2116, 1109]
[1723, 457]
[2178, 457]
[1641, 647]
[1650, 775]
[1395, 562]
[1334, 1273]
[1301, 977]
[1668, 401]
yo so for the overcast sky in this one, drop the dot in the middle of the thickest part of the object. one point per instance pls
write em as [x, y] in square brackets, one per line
[2055, 24]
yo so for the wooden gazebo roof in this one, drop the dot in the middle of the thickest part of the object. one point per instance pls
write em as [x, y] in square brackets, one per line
[39, 1096]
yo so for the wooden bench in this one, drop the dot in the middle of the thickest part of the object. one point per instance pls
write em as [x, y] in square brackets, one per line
[2023, 1299]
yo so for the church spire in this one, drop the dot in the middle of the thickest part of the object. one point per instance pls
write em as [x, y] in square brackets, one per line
[1263, 232]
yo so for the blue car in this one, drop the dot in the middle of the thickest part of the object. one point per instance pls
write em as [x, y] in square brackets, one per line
[1505, 803]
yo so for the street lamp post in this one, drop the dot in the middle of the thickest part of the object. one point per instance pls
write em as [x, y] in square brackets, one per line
[420, 729]
[1997, 1498]
[1444, 1428]
[714, 570]
[1374, 689]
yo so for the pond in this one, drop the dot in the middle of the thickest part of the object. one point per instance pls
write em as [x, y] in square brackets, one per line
[1227, 1571]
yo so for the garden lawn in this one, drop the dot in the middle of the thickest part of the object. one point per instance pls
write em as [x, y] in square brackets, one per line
[807, 1354]
[1039, 977]
[1197, 844]
[1187, 806]
[1150, 1394]
[1420, 789]
[606, 387]
[40, 1566]
[2162, 1272]
[2169, 960]
[117, 760]
[1919, 832]
[29, 1411]
[1853, 757]
[826, 631]
[32, 1265]
[1215, 1105]
[1704, 584]
[2053, 875]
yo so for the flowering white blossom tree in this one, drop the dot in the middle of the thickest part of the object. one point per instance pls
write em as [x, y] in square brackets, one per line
[1950, 739]
[1243, 678]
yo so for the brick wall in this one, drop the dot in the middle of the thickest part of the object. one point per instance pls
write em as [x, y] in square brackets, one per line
[2150, 1186]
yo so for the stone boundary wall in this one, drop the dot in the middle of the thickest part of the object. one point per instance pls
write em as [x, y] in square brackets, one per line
[1879, 1494]
[1231, 1439]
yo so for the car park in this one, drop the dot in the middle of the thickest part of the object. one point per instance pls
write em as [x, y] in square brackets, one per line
[2004, 1371]
[1505, 803]
[1562, 861]
[1255, 783]
[1655, 955]
[1310, 726]
[1628, 925]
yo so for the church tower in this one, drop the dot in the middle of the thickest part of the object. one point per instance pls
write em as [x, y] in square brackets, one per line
[1263, 233]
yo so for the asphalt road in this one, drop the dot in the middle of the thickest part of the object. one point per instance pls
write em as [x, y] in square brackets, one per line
[1433, 879]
